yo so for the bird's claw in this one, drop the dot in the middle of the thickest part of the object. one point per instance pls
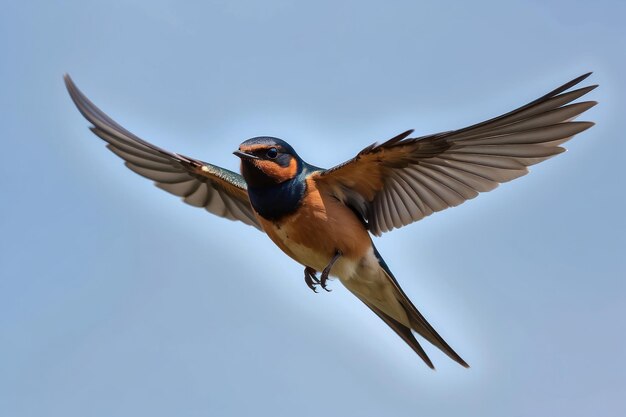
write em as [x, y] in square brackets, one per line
[326, 271]
[310, 275]
[324, 279]
[310, 278]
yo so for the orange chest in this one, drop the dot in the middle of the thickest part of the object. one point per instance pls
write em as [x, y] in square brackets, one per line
[319, 228]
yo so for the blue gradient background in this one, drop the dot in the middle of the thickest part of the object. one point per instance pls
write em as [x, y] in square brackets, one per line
[118, 300]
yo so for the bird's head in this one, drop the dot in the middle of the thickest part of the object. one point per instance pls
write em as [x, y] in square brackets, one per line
[267, 161]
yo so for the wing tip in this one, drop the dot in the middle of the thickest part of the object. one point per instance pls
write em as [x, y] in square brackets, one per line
[585, 105]
[579, 79]
[567, 86]
[70, 86]
[82, 103]
[582, 126]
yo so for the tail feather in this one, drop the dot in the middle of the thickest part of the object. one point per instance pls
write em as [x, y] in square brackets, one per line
[402, 331]
[416, 321]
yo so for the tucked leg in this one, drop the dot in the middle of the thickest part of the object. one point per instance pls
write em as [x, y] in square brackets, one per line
[326, 271]
[310, 278]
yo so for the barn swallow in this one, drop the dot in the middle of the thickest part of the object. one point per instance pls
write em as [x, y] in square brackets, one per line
[324, 218]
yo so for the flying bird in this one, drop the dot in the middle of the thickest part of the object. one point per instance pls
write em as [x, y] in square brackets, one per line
[325, 218]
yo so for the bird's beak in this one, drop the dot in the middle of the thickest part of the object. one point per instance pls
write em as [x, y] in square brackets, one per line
[244, 155]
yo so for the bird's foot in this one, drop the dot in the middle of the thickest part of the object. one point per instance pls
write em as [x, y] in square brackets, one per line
[326, 271]
[310, 278]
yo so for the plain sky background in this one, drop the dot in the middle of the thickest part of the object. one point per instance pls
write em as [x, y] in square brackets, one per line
[118, 300]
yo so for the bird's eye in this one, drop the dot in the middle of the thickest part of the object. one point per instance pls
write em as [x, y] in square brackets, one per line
[272, 153]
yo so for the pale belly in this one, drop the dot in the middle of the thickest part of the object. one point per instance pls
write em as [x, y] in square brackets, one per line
[314, 257]
[300, 252]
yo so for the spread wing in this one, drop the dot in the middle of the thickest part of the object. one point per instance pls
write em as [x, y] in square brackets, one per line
[200, 184]
[406, 179]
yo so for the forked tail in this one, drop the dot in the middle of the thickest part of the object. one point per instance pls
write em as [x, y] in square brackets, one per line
[399, 312]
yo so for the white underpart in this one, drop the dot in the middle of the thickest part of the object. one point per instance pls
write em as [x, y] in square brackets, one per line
[344, 268]
[364, 277]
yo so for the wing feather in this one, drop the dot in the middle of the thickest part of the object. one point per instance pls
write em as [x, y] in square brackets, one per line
[405, 179]
[200, 184]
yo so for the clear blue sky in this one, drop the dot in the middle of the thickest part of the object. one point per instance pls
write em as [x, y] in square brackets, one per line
[118, 300]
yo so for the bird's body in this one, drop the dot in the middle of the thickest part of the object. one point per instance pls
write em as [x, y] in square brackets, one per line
[302, 215]
[324, 218]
